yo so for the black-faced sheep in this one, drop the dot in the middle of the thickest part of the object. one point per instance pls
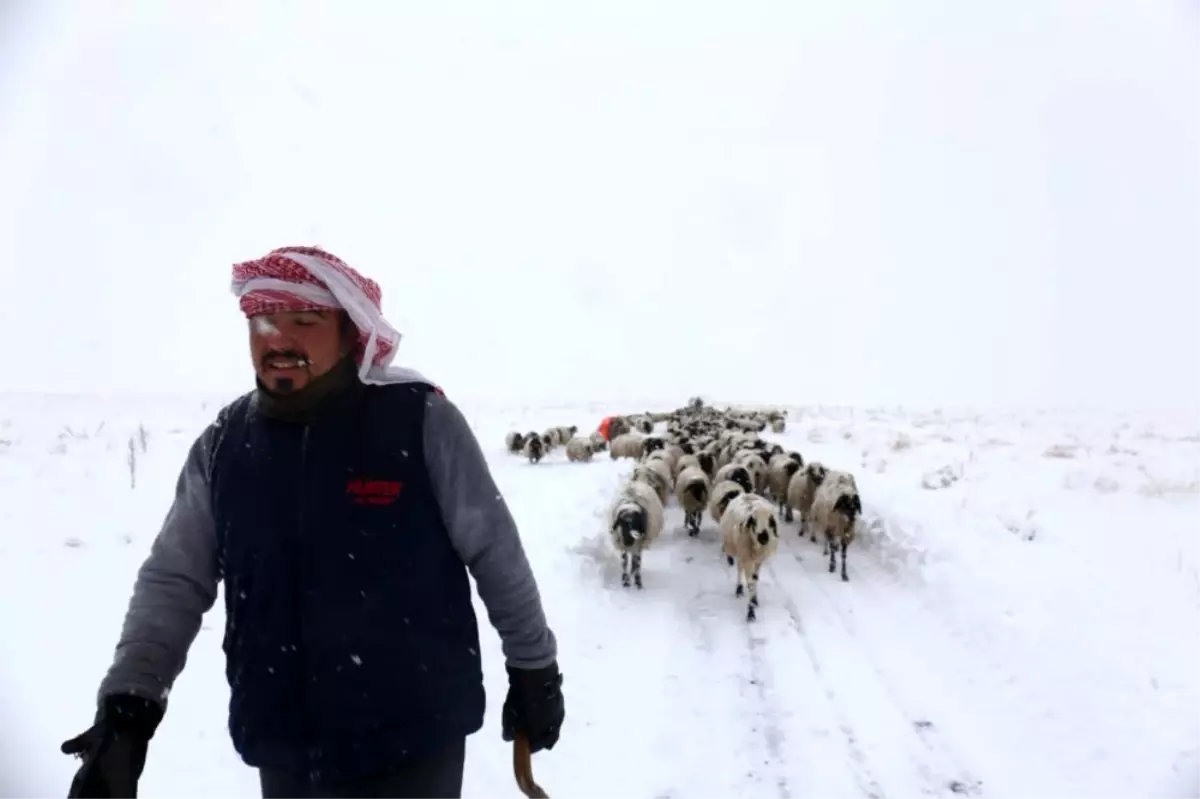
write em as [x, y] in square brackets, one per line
[598, 442]
[580, 450]
[628, 445]
[738, 474]
[779, 475]
[757, 467]
[664, 456]
[652, 444]
[801, 490]
[684, 462]
[634, 522]
[692, 490]
[750, 536]
[835, 512]
[655, 473]
[515, 442]
[535, 448]
[722, 494]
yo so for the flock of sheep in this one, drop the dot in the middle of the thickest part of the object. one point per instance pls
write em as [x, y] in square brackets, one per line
[712, 460]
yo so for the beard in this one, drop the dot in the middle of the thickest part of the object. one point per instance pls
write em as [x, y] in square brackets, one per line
[284, 385]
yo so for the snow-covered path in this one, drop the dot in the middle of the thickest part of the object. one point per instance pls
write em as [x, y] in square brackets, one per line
[1002, 632]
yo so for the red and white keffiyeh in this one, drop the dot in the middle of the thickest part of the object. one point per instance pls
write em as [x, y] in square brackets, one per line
[310, 279]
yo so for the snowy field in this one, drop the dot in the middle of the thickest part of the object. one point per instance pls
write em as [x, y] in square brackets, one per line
[1021, 616]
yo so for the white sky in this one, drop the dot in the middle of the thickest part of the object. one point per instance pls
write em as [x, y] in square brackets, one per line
[941, 203]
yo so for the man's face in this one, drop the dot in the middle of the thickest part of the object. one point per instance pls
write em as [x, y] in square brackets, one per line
[291, 348]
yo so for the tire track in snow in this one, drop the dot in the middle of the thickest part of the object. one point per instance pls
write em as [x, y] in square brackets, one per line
[794, 719]
[938, 769]
[865, 779]
[937, 670]
[706, 613]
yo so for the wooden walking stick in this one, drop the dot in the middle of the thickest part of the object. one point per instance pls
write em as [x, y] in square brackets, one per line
[523, 768]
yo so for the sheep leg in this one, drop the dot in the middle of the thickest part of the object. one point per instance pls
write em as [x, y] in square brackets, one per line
[832, 547]
[845, 543]
[625, 569]
[787, 513]
[637, 570]
[752, 605]
[741, 588]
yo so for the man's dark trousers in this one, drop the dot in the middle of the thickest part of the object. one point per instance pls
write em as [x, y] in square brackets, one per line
[434, 776]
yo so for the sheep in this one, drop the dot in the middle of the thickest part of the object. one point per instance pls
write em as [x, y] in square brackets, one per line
[652, 444]
[757, 467]
[737, 473]
[657, 474]
[835, 510]
[721, 495]
[778, 425]
[666, 457]
[618, 426]
[779, 475]
[643, 423]
[580, 450]
[802, 488]
[675, 451]
[685, 462]
[599, 444]
[750, 536]
[535, 448]
[565, 434]
[692, 489]
[628, 445]
[552, 437]
[634, 522]
[514, 442]
[708, 463]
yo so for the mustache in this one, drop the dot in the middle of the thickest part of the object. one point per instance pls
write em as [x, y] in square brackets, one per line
[283, 354]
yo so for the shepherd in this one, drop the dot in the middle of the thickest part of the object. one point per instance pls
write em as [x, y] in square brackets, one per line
[343, 502]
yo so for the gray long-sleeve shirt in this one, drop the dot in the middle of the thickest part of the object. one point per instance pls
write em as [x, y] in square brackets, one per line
[178, 581]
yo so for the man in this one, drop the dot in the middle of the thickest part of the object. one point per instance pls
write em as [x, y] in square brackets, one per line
[342, 503]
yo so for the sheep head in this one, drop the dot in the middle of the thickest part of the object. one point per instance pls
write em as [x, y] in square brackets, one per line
[849, 505]
[652, 444]
[761, 525]
[726, 498]
[630, 522]
[741, 476]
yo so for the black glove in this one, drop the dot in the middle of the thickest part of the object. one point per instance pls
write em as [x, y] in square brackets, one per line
[534, 706]
[114, 749]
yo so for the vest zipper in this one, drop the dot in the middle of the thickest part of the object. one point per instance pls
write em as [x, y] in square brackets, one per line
[300, 554]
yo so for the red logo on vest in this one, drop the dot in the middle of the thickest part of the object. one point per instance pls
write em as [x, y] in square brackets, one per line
[373, 492]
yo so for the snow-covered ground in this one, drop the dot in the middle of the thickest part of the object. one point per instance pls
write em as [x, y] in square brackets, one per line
[1021, 616]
